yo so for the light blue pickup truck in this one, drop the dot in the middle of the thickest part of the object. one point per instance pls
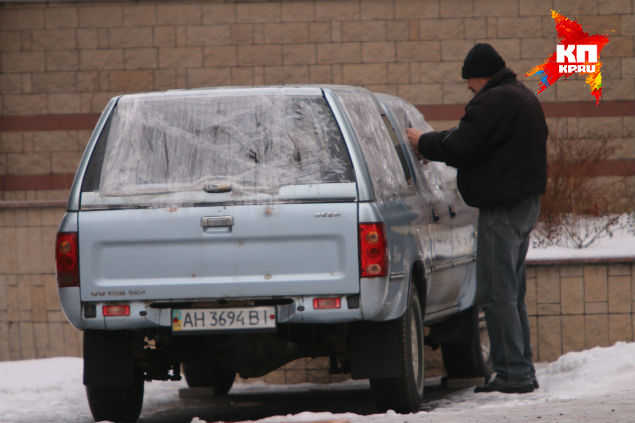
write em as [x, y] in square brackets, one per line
[229, 231]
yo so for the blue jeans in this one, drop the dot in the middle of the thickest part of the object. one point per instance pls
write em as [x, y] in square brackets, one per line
[503, 240]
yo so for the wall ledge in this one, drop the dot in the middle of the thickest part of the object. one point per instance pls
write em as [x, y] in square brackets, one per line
[580, 260]
[32, 204]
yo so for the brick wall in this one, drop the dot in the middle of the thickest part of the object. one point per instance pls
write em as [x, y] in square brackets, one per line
[31, 323]
[61, 62]
[578, 306]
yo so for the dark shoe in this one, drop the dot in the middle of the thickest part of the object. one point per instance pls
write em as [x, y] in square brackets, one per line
[507, 387]
[536, 385]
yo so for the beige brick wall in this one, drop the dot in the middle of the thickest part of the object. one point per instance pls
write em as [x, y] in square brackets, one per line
[65, 58]
[578, 306]
[31, 323]
[235, 38]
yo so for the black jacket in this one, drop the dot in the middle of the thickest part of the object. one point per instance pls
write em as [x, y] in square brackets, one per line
[499, 146]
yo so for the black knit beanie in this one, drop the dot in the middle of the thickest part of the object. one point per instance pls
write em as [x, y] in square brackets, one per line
[482, 61]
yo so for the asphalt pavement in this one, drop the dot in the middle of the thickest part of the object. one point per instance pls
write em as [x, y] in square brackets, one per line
[250, 406]
[616, 407]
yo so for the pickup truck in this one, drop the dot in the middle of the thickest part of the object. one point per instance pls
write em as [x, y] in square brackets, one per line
[224, 231]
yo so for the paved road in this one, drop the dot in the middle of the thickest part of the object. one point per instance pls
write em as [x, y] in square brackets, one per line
[258, 405]
[255, 406]
[615, 407]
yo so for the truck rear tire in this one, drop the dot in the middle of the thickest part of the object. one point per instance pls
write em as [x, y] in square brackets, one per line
[200, 374]
[119, 404]
[469, 357]
[405, 393]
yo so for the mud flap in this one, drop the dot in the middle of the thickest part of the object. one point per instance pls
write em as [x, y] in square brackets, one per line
[457, 328]
[375, 350]
[108, 360]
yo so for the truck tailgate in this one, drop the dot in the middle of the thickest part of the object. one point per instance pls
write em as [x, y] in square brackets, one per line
[251, 250]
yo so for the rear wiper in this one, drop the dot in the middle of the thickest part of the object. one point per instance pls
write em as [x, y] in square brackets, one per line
[217, 188]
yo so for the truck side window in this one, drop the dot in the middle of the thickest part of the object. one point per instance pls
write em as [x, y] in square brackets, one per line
[398, 149]
[383, 164]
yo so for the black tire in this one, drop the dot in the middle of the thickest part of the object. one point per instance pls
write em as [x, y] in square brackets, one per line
[200, 374]
[405, 393]
[470, 357]
[119, 404]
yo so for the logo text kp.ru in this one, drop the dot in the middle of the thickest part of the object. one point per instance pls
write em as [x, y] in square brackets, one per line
[584, 53]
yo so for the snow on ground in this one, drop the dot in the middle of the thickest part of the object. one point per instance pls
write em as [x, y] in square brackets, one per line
[576, 375]
[51, 390]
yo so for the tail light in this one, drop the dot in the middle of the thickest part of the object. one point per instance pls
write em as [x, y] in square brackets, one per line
[116, 310]
[67, 259]
[373, 256]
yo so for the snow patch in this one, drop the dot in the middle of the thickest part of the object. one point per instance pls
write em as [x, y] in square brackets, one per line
[620, 244]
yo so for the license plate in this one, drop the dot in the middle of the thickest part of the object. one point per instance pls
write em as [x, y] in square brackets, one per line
[223, 318]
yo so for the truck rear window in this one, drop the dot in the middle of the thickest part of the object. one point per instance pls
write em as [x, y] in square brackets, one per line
[244, 145]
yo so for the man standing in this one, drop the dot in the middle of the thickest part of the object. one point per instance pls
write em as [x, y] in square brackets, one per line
[499, 150]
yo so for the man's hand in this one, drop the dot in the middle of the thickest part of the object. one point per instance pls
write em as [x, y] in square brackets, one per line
[413, 137]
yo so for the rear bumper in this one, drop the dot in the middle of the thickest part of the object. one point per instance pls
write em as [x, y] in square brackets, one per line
[379, 300]
[144, 316]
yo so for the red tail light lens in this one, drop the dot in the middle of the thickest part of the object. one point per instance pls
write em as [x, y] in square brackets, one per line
[67, 259]
[373, 256]
[116, 310]
[324, 303]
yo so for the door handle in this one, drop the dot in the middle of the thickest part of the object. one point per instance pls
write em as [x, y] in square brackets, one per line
[217, 221]
[452, 212]
[435, 216]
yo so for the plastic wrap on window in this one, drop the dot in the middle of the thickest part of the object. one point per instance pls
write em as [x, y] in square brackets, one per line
[406, 114]
[381, 158]
[253, 144]
[438, 177]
